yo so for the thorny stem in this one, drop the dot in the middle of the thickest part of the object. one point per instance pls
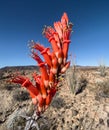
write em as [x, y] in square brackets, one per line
[31, 121]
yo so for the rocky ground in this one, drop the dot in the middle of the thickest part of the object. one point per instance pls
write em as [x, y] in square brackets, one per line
[82, 103]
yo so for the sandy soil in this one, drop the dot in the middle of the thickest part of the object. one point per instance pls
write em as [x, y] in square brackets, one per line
[82, 103]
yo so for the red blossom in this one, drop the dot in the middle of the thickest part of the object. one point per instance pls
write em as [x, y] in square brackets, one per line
[54, 64]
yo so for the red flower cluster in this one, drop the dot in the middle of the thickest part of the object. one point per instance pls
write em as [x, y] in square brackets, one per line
[54, 64]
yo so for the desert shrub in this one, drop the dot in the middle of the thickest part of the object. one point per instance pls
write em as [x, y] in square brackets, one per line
[58, 103]
[104, 88]
[75, 82]
[21, 95]
[10, 87]
[102, 69]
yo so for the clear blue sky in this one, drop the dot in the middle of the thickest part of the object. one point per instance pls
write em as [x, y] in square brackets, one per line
[23, 20]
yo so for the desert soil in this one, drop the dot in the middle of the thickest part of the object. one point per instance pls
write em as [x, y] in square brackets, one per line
[85, 107]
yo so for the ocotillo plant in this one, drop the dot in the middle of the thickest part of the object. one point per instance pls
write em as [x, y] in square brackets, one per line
[53, 64]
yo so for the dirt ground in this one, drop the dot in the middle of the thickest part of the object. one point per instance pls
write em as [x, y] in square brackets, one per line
[82, 103]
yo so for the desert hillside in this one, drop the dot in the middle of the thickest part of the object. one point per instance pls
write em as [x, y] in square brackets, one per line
[82, 102]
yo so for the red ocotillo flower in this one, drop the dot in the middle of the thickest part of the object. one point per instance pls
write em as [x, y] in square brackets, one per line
[66, 42]
[64, 21]
[44, 74]
[34, 100]
[55, 64]
[48, 100]
[55, 35]
[54, 68]
[58, 40]
[58, 28]
[50, 96]
[64, 29]
[24, 81]
[65, 67]
[67, 28]
[43, 89]
[41, 103]
[51, 79]
[36, 77]
[60, 56]
[49, 32]
[44, 52]
[43, 68]
[40, 84]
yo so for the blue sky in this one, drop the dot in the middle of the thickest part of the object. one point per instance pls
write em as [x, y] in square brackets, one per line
[23, 20]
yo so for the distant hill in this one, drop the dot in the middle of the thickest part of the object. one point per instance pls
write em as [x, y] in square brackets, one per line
[31, 67]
